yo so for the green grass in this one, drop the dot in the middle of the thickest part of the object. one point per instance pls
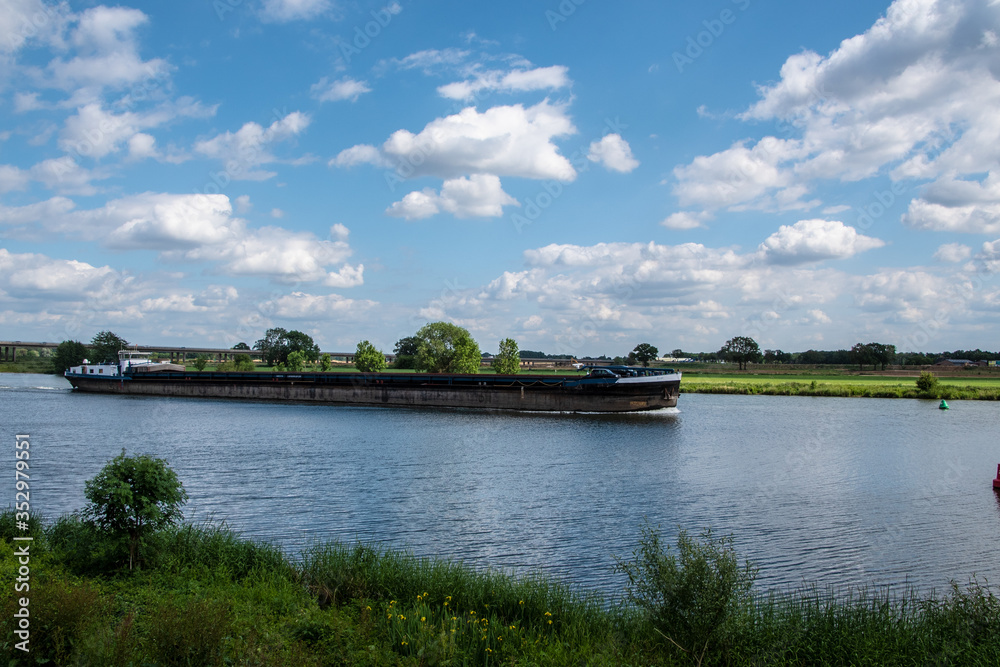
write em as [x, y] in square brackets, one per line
[206, 596]
[870, 386]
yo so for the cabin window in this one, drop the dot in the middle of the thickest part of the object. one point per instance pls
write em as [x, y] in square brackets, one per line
[100, 370]
[91, 370]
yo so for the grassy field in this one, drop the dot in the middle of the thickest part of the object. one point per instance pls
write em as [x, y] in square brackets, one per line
[205, 596]
[839, 384]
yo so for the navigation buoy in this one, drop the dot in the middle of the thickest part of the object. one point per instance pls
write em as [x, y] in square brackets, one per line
[944, 405]
[996, 482]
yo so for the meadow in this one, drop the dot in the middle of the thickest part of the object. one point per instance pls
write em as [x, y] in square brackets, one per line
[206, 596]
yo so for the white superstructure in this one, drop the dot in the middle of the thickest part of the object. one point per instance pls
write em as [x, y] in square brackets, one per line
[126, 359]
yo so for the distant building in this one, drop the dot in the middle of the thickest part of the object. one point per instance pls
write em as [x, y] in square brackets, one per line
[960, 363]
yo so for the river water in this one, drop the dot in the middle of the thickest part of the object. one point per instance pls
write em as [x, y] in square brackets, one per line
[831, 492]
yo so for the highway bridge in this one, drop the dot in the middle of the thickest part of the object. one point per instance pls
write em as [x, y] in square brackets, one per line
[8, 350]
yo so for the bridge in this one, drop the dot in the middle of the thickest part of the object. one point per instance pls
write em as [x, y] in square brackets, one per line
[8, 351]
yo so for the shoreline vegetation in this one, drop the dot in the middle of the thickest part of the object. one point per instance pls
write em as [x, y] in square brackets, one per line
[205, 595]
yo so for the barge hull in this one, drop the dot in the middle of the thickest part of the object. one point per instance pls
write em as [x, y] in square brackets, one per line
[545, 394]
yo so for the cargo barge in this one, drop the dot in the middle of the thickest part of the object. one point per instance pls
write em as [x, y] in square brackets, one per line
[602, 389]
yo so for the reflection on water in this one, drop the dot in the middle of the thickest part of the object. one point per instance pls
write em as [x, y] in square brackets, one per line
[815, 490]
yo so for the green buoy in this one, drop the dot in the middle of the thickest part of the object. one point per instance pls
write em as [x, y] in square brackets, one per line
[944, 405]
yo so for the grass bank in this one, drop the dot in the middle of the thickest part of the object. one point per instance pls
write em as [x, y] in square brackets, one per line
[206, 596]
[868, 386]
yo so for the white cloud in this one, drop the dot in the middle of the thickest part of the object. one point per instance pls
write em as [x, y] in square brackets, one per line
[64, 175]
[614, 153]
[29, 275]
[740, 177]
[304, 306]
[250, 146]
[814, 241]
[682, 220]
[429, 60]
[342, 89]
[24, 20]
[953, 252]
[956, 205]
[360, 154]
[518, 80]
[107, 49]
[479, 196]
[504, 141]
[95, 132]
[164, 222]
[913, 94]
[12, 178]
[283, 11]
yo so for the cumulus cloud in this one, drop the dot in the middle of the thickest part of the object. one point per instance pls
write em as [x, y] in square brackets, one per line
[742, 177]
[914, 94]
[283, 11]
[195, 228]
[95, 132]
[107, 53]
[249, 147]
[20, 22]
[614, 153]
[504, 141]
[12, 178]
[953, 252]
[305, 306]
[31, 276]
[479, 196]
[957, 205]
[517, 80]
[814, 241]
[682, 220]
[342, 89]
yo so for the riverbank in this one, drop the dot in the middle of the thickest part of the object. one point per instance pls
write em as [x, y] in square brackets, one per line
[866, 386]
[207, 596]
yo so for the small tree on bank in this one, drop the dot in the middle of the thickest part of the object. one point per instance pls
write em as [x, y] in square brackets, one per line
[200, 362]
[644, 353]
[369, 359]
[927, 383]
[132, 497]
[507, 362]
[69, 353]
[741, 349]
[446, 348]
[104, 347]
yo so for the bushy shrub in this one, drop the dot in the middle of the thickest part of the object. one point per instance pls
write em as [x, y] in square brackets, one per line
[688, 596]
[927, 383]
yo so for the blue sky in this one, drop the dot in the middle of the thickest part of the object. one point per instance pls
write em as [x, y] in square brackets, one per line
[580, 176]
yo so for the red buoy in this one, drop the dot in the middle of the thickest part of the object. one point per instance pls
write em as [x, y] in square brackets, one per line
[996, 482]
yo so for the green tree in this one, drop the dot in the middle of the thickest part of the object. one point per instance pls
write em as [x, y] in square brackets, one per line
[278, 343]
[68, 353]
[508, 362]
[104, 347]
[406, 351]
[200, 362]
[645, 353]
[446, 348]
[300, 342]
[295, 361]
[132, 497]
[243, 363]
[741, 349]
[324, 362]
[241, 346]
[863, 354]
[368, 359]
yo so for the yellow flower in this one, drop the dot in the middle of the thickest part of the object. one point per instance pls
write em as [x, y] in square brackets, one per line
[548, 614]
[423, 619]
[550, 622]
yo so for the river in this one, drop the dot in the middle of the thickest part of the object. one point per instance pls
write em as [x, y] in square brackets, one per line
[830, 492]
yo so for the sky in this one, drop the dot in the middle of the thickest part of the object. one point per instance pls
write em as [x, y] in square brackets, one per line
[581, 176]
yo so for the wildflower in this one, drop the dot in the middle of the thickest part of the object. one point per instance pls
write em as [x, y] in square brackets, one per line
[423, 619]
[548, 613]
